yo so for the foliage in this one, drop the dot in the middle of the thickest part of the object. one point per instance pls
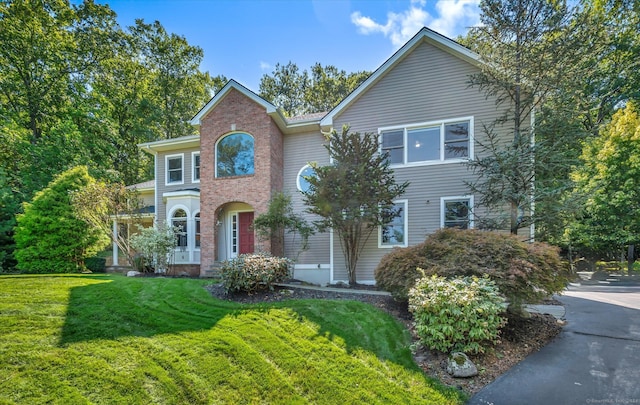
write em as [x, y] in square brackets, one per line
[281, 218]
[100, 204]
[8, 206]
[525, 54]
[49, 236]
[354, 195]
[95, 264]
[608, 188]
[298, 92]
[155, 245]
[457, 314]
[107, 333]
[523, 272]
[254, 271]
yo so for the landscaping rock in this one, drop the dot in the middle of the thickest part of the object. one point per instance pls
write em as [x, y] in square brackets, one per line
[459, 366]
[133, 273]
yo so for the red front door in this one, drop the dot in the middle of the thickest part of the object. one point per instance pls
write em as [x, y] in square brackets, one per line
[245, 233]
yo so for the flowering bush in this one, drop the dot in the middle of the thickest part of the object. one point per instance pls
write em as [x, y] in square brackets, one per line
[457, 314]
[255, 271]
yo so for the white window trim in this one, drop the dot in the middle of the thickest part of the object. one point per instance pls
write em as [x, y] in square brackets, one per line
[166, 169]
[443, 200]
[197, 248]
[215, 154]
[406, 228]
[418, 125]
[193, 167]
[187, 218]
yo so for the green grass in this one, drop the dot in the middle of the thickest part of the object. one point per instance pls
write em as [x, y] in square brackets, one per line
[113, 340]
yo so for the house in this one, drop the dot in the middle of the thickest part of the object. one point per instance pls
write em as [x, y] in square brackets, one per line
[429, 120]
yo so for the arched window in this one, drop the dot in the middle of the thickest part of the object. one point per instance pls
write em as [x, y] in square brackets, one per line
[234, 155]
[179, 221]
[197, 224]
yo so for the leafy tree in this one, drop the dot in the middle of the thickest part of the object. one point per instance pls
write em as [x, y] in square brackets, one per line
[608, 187]
[298, 92]
[99, 204]
[8, 207]
[354, 195]
[49, 237]
[281, 218]
[525, 53]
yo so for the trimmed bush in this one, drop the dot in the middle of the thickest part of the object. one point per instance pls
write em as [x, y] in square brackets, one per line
[252, 272]
[95, 264]
[523, 272]
[458, 314]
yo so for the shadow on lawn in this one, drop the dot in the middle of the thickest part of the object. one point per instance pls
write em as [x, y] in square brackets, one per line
[116, 306]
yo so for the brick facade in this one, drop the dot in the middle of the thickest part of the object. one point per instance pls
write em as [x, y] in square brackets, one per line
[237, 113]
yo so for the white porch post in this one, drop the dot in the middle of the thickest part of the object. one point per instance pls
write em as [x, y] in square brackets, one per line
[115, 245]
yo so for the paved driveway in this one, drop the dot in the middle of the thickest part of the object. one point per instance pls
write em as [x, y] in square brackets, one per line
[594, 360]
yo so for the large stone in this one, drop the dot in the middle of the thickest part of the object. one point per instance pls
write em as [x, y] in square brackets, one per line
[459, 366]
[133, 273]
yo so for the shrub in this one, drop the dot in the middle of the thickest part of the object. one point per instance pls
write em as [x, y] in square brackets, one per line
[523, 272]
[459, 314]
[96, 264]
[255, 271]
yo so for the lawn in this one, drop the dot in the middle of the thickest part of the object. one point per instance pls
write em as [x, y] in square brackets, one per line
[109, 339]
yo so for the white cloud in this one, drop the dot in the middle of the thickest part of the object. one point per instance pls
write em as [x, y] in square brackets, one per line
[452, 19]
[265, 65]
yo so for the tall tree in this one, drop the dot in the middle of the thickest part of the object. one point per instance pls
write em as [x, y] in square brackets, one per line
[526, 53]
[354, 195]
[608, 188]
[298, 92]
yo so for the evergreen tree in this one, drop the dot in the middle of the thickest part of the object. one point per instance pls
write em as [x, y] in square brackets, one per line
[49, 237]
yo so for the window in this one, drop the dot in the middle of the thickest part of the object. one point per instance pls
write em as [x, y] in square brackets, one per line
[395, 233]
[197, 225]
[179, 221]
[234, 155]
[427, 142]
[195, 161]
[456, 212]
[303, 183]
[174, 169]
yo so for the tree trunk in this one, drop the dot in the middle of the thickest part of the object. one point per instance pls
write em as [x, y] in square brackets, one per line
[631, 258]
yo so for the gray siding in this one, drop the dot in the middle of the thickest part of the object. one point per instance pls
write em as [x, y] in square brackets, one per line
[427, 85]
[299, 150]
[161, 178]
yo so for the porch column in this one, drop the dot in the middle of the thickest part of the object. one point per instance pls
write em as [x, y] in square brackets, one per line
[115, 245]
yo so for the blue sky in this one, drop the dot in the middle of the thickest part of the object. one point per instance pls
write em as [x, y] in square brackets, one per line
[244, 40]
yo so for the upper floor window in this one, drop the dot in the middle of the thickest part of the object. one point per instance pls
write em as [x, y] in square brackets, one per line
[195, 161]
[456, 212]
[174, 169]
[428, 142]
[306, 172]
[395, 233]
[235, 155]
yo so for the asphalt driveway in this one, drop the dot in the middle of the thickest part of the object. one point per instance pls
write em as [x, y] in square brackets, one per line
[594, 360]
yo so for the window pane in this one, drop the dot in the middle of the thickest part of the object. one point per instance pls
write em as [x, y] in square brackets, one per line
[174, 169]
[456, 140]
[394, 233]
[458, 149]
[395, 156]
[196, 167]
[423, 144]
[197, 224]
[303, 184]
[392, 139]
[235, 155]
[456, 214]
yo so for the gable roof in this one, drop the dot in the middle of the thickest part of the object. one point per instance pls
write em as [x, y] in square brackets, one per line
[424, 35]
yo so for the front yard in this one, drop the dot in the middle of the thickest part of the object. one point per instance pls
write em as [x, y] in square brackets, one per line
[111, 339]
